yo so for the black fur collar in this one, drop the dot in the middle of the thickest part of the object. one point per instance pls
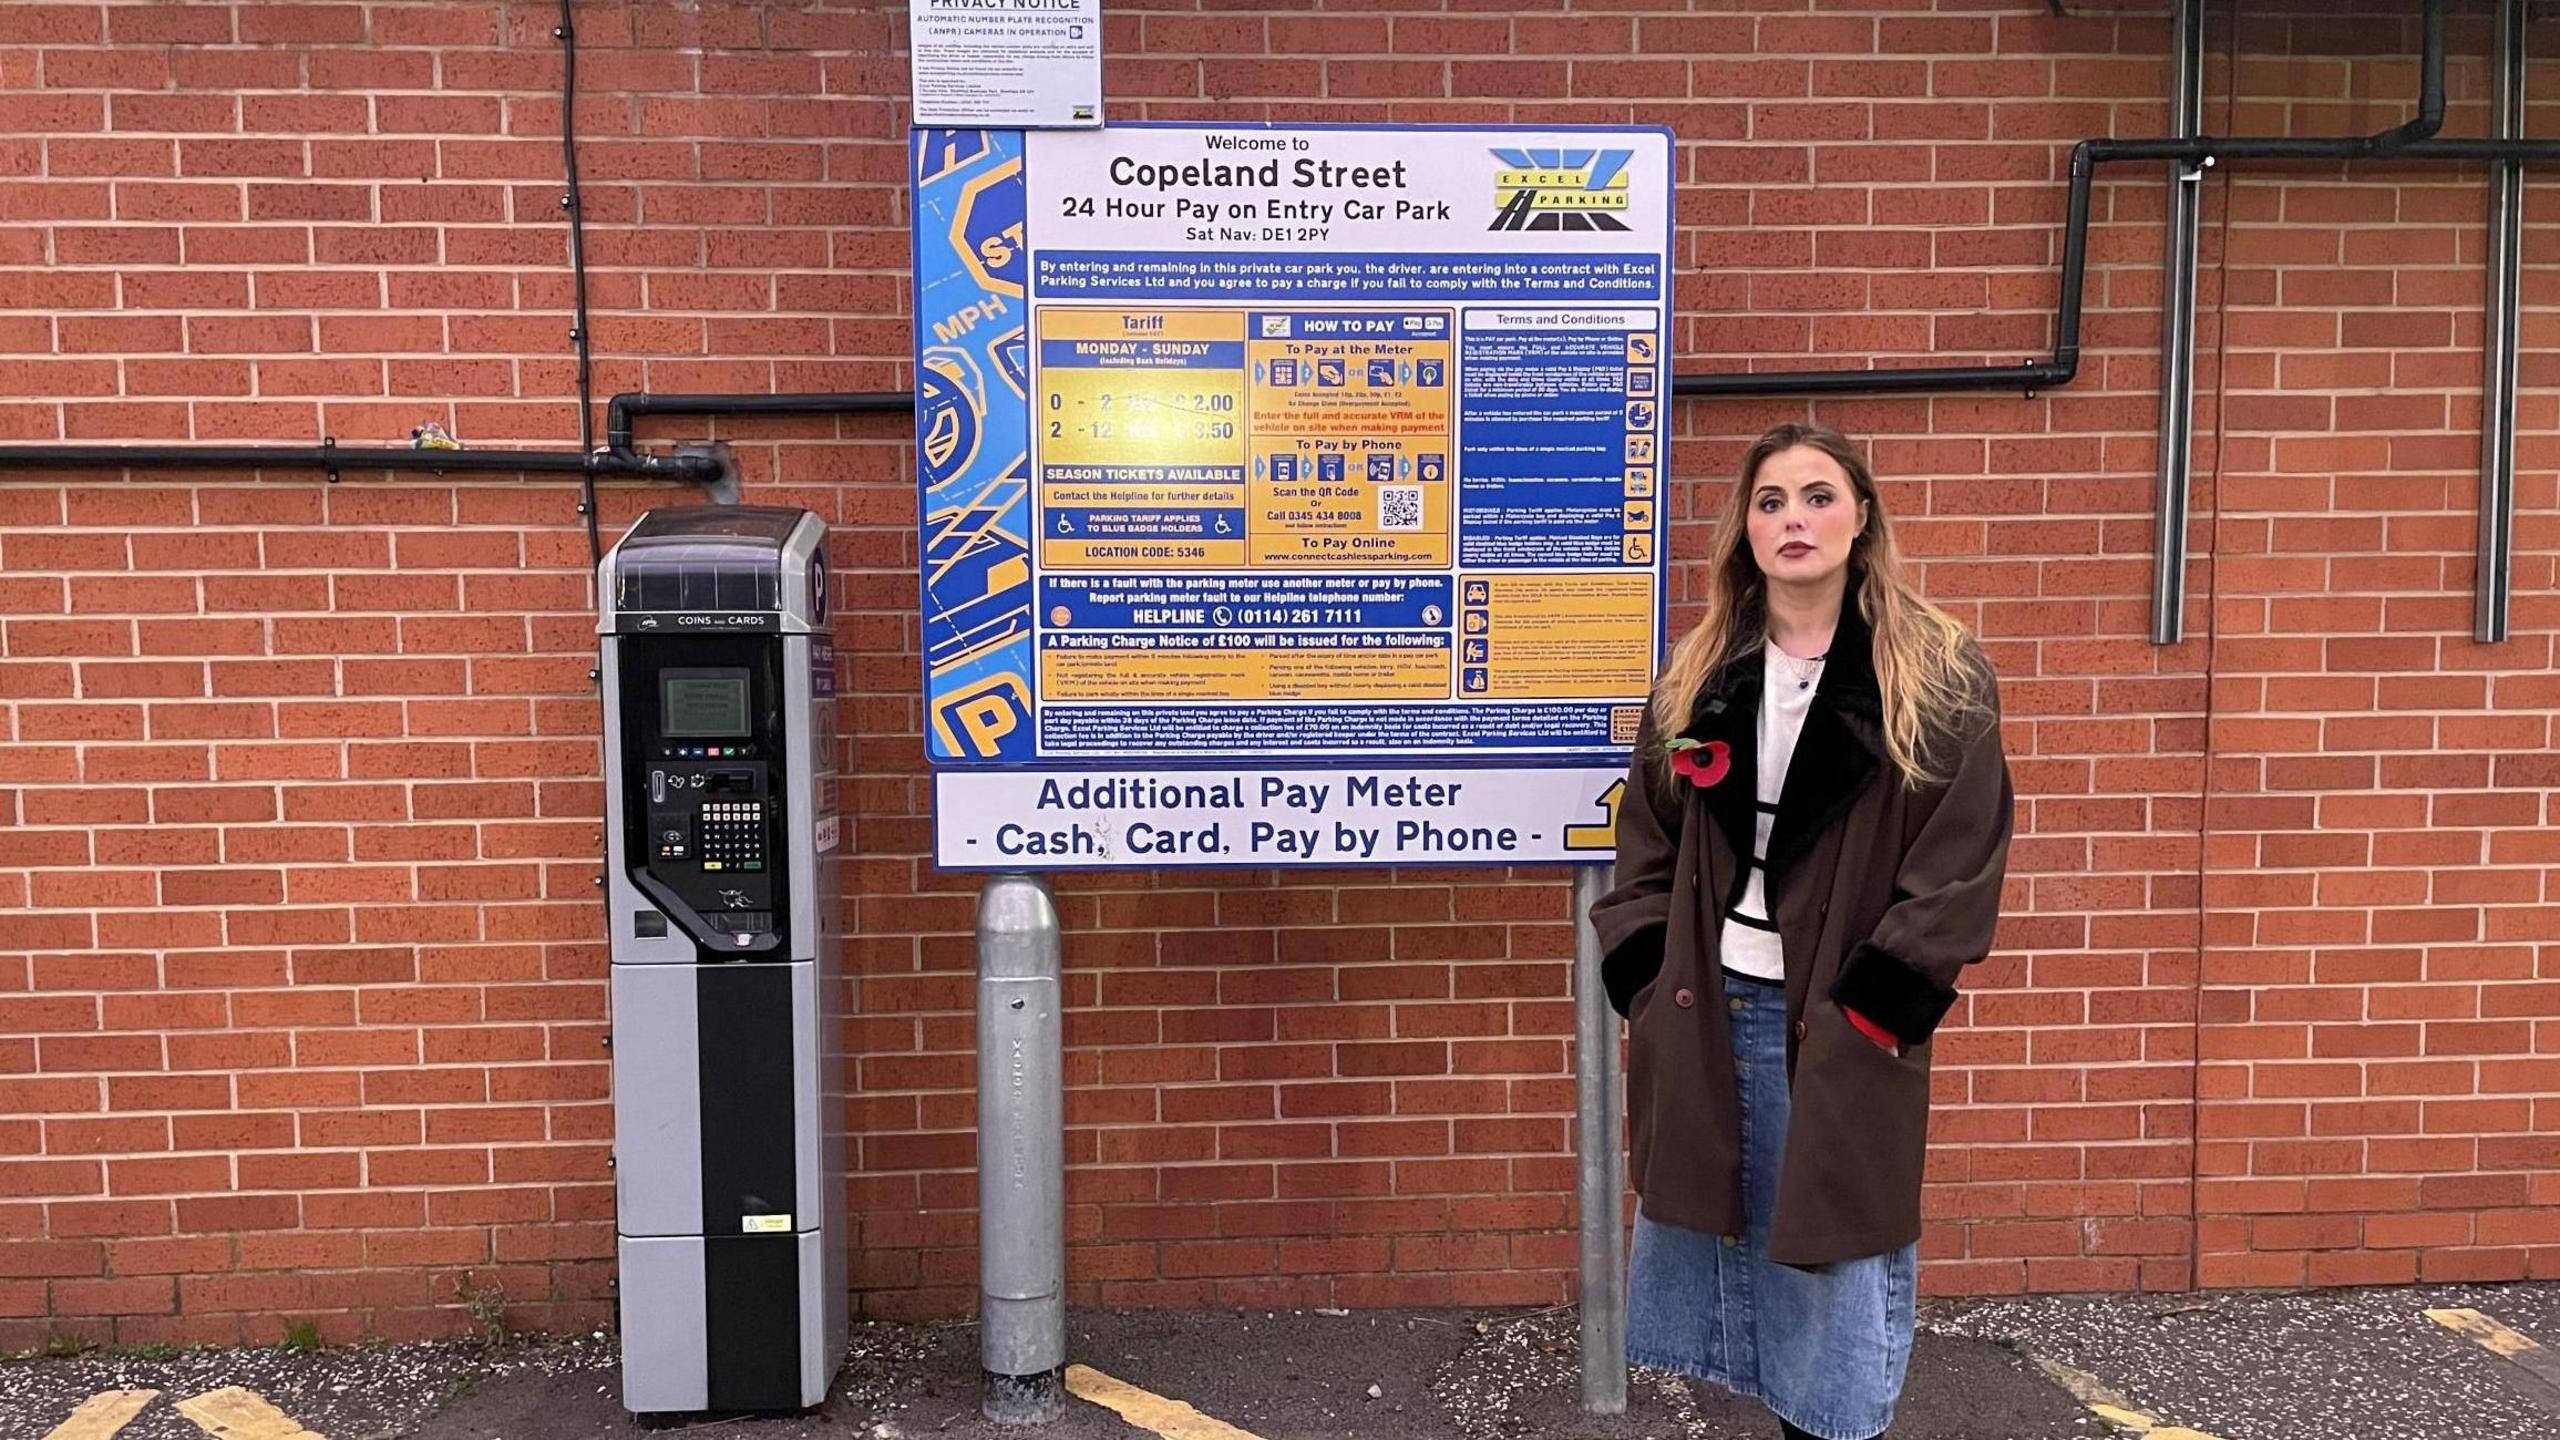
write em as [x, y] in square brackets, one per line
[1839, 751]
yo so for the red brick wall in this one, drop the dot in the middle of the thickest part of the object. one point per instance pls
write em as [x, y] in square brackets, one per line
[2379, 1023]
[300, 976]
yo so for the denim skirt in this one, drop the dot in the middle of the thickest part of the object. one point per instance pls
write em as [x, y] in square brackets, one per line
[1823, 1348]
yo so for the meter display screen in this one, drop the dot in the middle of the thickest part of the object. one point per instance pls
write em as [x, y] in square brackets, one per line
[702, 702]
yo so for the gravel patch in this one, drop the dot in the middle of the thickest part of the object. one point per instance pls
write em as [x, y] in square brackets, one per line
[1523, 1378]
[354, 1393]
[2246, 1365]
[1486, 1392]
[2284, 1365]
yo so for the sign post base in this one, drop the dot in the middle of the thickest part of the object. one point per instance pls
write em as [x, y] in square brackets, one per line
[1022, 1304]
[1600, 1148]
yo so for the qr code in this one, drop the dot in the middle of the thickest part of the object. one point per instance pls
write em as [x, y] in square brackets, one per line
[1399, 507]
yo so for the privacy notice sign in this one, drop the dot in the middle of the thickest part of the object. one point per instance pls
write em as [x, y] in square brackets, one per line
[1023, 64]
[1289, 448]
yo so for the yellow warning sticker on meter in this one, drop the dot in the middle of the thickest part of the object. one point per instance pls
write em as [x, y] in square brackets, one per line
[765, 1224]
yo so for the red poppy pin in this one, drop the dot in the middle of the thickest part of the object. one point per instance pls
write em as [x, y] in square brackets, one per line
[1701, 763]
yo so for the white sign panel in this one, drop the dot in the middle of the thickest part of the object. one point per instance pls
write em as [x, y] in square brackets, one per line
[1506, 214]
[1089, 820]
[1010, 64]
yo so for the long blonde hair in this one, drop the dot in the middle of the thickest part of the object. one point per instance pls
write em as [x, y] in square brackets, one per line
[1933, 681]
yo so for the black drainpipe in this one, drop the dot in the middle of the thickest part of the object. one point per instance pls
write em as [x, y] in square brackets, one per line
[335, 458]
[573, 200]
[622, 409]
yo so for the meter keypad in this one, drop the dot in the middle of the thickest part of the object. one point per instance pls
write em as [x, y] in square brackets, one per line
[730, 834]
[710, 828]
[705, 803]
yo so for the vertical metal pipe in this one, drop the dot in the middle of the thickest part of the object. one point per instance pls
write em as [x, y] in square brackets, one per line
[2493, 579]
[2178, 336]
[1022, 1273]
[1600, 1136]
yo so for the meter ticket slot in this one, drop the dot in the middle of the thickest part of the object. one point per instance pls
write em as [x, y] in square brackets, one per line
[728, 1140]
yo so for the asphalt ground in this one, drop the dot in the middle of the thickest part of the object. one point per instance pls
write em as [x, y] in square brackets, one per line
[2234, 1365]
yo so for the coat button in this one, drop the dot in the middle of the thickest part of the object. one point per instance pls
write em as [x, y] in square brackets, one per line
[1682, 998]
[1799, 1029]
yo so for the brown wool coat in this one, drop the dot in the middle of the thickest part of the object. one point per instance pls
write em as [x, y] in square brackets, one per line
[1881, 894]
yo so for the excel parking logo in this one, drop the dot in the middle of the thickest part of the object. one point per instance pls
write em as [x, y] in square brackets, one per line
[1560, 189]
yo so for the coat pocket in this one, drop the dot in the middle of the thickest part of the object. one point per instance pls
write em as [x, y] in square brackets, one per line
[1857, 1129]
[1664, 1077]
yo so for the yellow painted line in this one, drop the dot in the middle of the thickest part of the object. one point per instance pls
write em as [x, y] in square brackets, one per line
[2102, 1402]
[2523, 1351]
[2485, 1332]
[232, 1413]
[102, 1415]
[1147, 1410]
[2111, 1407]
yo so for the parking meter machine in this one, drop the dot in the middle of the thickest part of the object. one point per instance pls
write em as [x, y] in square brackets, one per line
[720, 834]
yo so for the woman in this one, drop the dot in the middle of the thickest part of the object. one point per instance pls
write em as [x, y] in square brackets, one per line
[1810, 848]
